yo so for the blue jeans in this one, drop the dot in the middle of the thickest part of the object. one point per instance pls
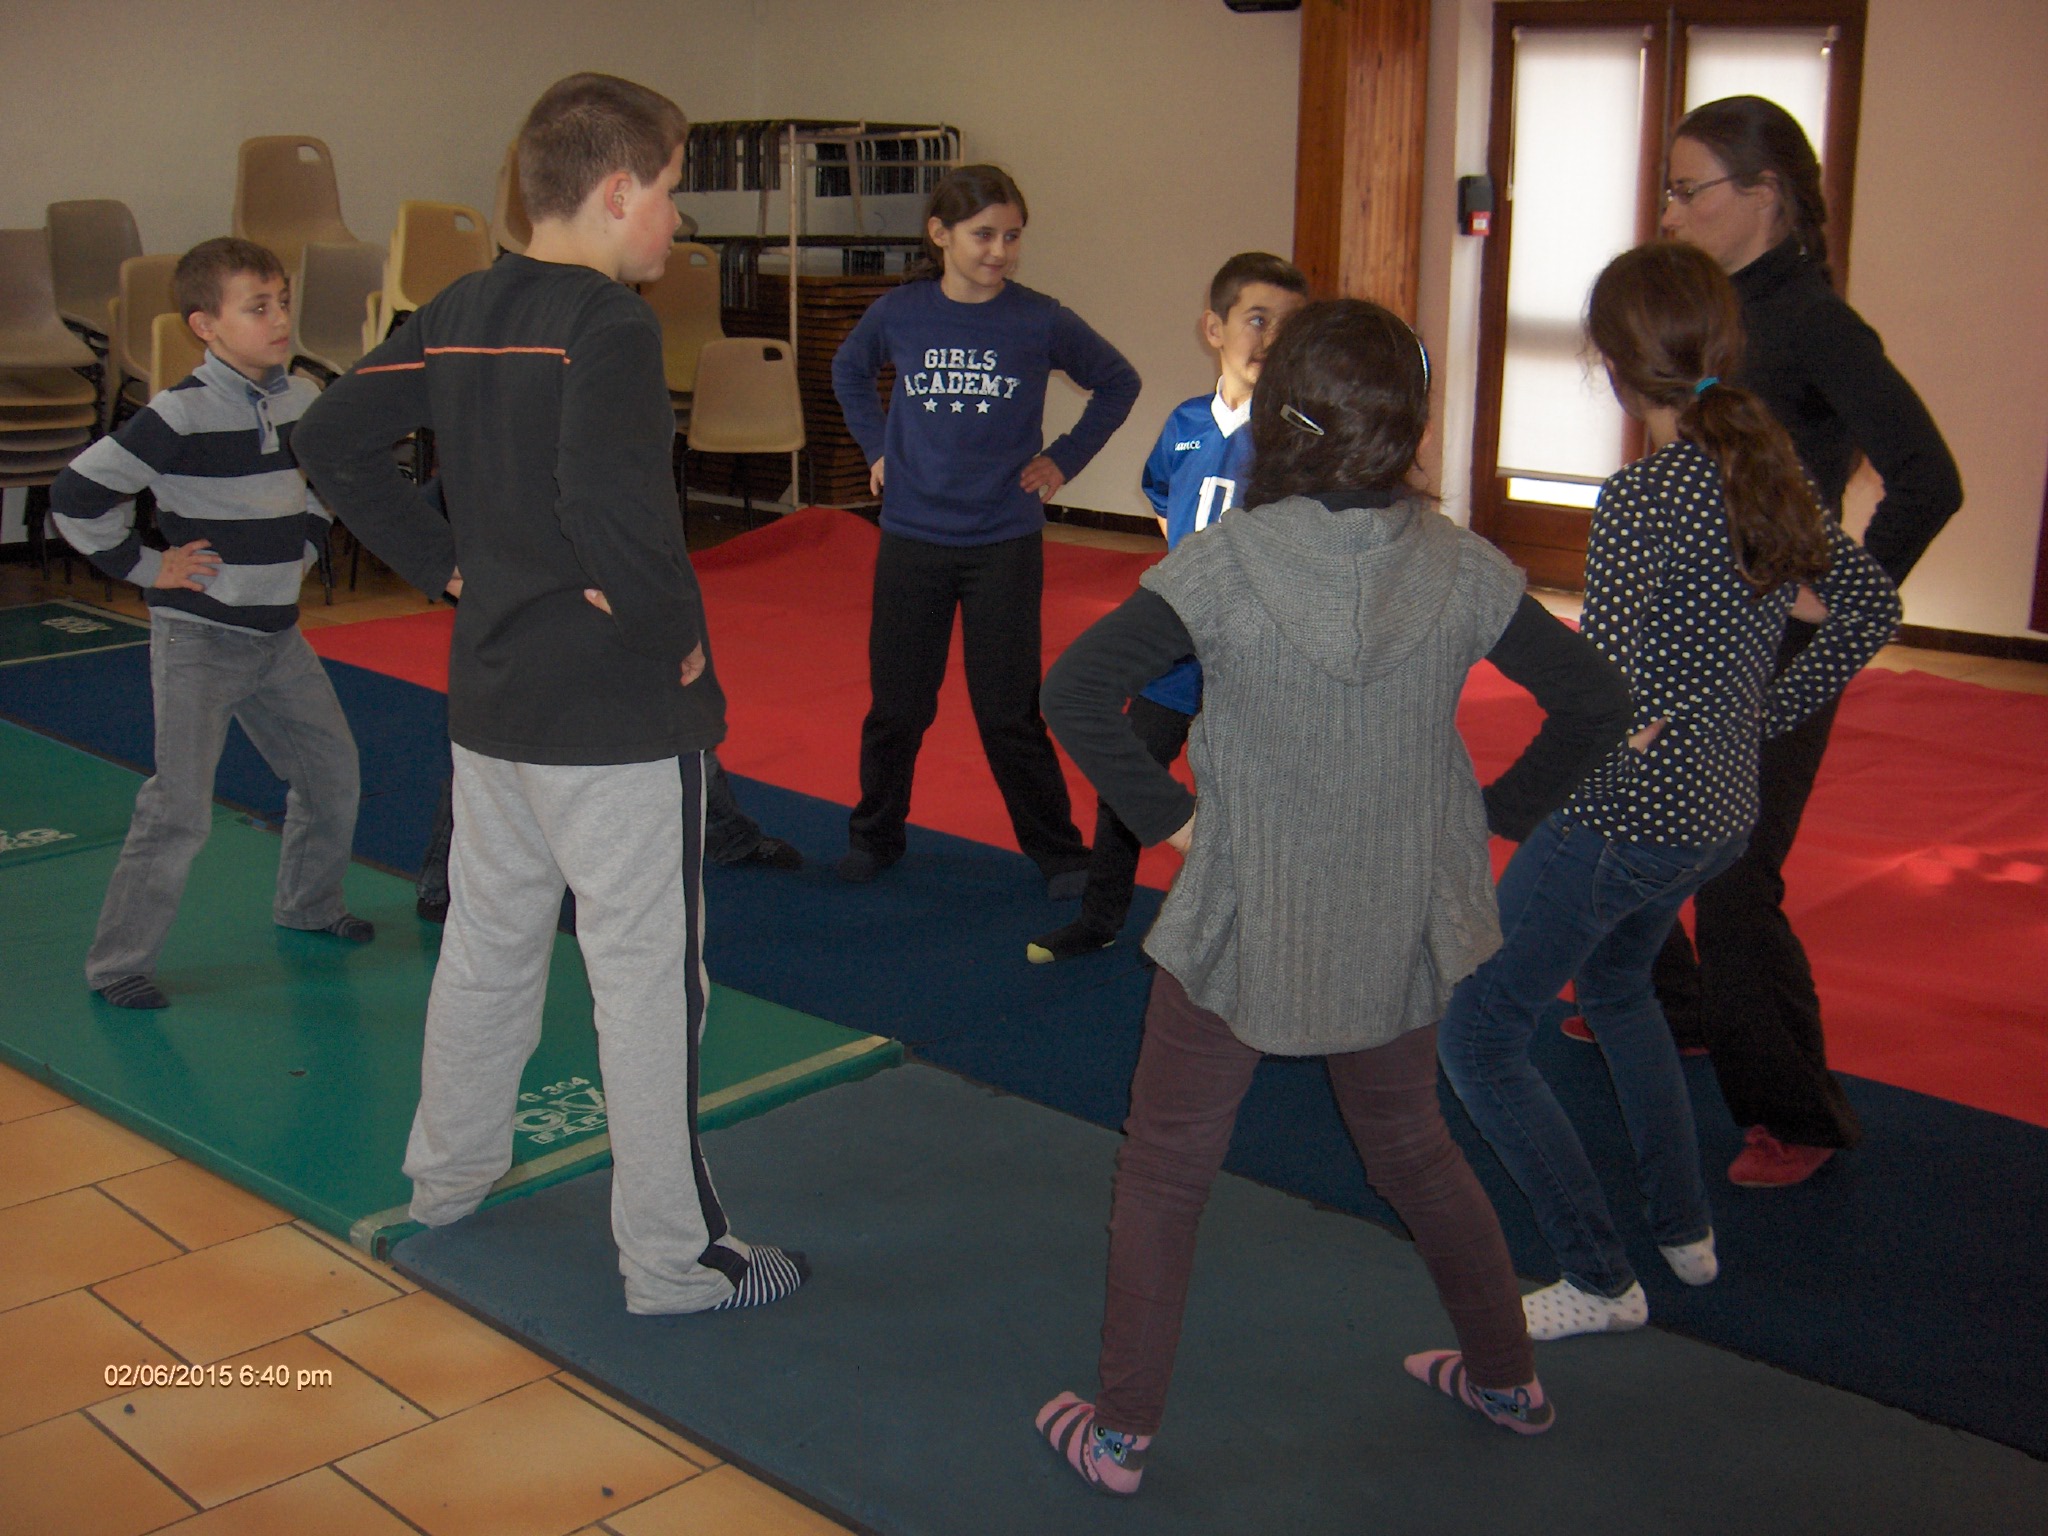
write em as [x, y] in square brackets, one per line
[1574, 904]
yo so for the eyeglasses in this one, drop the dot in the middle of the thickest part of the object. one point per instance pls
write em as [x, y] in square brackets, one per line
[1683, 192]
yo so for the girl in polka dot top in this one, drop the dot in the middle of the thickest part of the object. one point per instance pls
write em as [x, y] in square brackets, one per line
[1697, 555]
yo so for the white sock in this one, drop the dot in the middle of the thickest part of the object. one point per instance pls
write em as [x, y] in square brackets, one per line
[1561, 1310]
[1694, 1263]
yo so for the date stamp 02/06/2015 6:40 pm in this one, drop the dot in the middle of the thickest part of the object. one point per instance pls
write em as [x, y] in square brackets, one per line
[247, 1374]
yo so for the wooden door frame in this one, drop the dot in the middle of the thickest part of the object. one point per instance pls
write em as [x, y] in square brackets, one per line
[1358, 208]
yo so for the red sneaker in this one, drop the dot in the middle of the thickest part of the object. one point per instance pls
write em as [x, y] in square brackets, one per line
[1768, 1163]
[1573, 1027]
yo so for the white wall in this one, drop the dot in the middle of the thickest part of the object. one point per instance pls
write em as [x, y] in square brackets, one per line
[1153, 138]
[1460, 79]
[146, 102]
[1946, 261]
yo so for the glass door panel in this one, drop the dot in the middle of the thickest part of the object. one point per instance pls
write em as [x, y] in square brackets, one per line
[1788, 65]
[1578, 123]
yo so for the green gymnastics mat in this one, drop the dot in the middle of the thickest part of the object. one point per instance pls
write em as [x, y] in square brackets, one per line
[32, 631]
[289, 1062]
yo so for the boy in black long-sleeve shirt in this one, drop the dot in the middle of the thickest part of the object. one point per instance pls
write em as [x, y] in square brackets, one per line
[581, 699]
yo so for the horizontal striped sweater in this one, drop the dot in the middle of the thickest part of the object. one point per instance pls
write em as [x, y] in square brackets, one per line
[215, 451]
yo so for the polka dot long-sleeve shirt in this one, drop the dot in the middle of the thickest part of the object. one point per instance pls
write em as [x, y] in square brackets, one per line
[1667, 604]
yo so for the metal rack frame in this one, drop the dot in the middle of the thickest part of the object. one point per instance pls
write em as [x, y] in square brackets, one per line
[800, 163]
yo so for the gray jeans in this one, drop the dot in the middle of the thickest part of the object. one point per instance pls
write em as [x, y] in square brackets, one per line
[201, 676]
[628, 839]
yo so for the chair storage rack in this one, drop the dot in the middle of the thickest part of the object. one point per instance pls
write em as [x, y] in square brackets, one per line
[806, 159]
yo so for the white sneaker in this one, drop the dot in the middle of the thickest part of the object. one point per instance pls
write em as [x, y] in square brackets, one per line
[1561, 1310]
[1694, 1263]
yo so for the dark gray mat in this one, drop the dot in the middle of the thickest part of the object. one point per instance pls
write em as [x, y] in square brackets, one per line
[959, 1240]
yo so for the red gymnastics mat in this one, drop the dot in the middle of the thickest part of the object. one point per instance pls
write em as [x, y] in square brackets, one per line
[1920, 881]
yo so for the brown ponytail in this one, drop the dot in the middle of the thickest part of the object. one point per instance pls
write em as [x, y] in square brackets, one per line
[1668, 324]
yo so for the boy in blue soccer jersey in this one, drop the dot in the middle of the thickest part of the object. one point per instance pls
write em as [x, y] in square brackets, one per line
[224, 641]
[1196, 473]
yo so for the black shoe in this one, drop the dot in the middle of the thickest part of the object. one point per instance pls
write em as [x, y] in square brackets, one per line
[1066, 943]
[860, 865]
[773, 853]
[432, 909]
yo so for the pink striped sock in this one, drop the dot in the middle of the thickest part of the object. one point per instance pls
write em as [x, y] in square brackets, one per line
[1524, 1410]
[1103, 1458]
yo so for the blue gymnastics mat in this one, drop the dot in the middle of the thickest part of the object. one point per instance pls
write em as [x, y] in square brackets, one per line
[958, 1239]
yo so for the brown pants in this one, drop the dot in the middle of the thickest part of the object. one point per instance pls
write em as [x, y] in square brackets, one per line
[1192, 1073]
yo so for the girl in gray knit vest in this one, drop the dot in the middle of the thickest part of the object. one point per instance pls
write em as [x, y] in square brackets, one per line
[1336, 884]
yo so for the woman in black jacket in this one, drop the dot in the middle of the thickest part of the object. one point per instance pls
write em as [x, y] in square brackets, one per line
[1745, 188]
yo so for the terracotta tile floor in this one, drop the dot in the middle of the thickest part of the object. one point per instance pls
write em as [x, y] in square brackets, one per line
[389, 1410]
[402, 1414]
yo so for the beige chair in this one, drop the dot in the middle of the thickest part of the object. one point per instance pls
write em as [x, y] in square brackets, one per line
[746, 400]
[286, 195]
[145, 294]
[511, 229]
[173, 352]
[31, 334]
[89, 239]
[46, 416]
[41, 399]
[432, 245]
[685, 298]
[49, 380]
[41, 410]
[327, 304]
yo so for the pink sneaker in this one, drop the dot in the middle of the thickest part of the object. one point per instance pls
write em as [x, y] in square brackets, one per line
[1104, 1458]
[1768, 1163]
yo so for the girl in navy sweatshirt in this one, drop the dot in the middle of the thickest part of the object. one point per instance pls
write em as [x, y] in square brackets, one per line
[963, 471]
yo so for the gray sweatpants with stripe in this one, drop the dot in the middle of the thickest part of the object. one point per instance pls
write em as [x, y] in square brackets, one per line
[628, 839]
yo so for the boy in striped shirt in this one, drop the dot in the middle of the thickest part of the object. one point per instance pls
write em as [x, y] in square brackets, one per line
[242, 527]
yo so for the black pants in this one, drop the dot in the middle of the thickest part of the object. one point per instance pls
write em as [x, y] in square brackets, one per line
[1749, 996]
[1113, 864]
[997, 589]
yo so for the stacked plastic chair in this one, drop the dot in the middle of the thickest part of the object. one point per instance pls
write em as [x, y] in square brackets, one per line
[174, 352]
[145, 293]
[89, 239]
[432, 245]
[334, 281]
[286, 195]
[685, 298]
[49, 379]
[511, 229]
[746, 400]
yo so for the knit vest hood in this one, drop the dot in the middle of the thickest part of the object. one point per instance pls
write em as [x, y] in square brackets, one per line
[1358, 592]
